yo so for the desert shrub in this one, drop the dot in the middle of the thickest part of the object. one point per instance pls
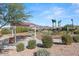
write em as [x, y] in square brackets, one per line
[42, 52]
[31, 44]
[47, 32]
[76, 32]
[55, 33]
[20, 47]
[76, 38]
[67, 39]
[22, 29]
[19, 29]
[5, 31]
[47, 41]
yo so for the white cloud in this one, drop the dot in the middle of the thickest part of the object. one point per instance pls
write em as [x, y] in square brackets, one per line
[75, 4]
[77, 11]
[75, 7]
[55, 12]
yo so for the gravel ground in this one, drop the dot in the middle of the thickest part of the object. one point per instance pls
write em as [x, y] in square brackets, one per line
[55, 50]
[65, 50]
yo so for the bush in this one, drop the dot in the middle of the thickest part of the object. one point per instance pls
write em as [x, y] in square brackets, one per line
[47, 41]
[42, 52]
[76, 32]
[22, 29]
[76, 38]
[31, 44]
[5, 31]
[20, 47]
[19, 29]
[67, 39]
[47, 32]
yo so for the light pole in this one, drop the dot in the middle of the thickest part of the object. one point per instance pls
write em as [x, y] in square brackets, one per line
[72, 25]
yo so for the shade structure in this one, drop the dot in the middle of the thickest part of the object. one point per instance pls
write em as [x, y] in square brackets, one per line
[25, 24]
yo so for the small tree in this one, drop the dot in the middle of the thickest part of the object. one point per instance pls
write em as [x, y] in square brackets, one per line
[12, 14]
[53, 22]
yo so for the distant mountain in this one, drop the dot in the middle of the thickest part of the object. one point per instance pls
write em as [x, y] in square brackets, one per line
[42, 27]
[29, 24]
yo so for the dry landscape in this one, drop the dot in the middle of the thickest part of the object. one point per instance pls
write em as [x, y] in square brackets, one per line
[55, 50]
[52, 31]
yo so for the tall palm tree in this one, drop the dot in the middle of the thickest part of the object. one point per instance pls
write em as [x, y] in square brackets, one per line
[53, 23]
[59, 23]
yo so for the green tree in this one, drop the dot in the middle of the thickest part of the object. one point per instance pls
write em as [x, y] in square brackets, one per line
[12, 14]
[59, 23]
[53, 23]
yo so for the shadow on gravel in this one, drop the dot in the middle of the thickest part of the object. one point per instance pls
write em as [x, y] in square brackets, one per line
[35, 54]
[40, 45]
[58, 43]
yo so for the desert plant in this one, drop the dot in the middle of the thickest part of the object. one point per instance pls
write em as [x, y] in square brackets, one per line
[20, 47]
[42, 52]
[67, 39]
[76, 32]
[76, 38]
[31, 44]
[20, 29]
[5, 31]
[47, 41]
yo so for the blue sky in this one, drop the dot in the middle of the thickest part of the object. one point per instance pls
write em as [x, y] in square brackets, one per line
[43, 13]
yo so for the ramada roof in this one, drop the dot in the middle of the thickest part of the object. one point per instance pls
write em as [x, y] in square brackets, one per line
[24, 24]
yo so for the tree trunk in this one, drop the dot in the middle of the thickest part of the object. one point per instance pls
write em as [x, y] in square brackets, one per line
[58, 25]
[55, 25]
[35, 32]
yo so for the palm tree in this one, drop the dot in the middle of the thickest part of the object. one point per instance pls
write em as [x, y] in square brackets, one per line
[53, 23]
[59, 23]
